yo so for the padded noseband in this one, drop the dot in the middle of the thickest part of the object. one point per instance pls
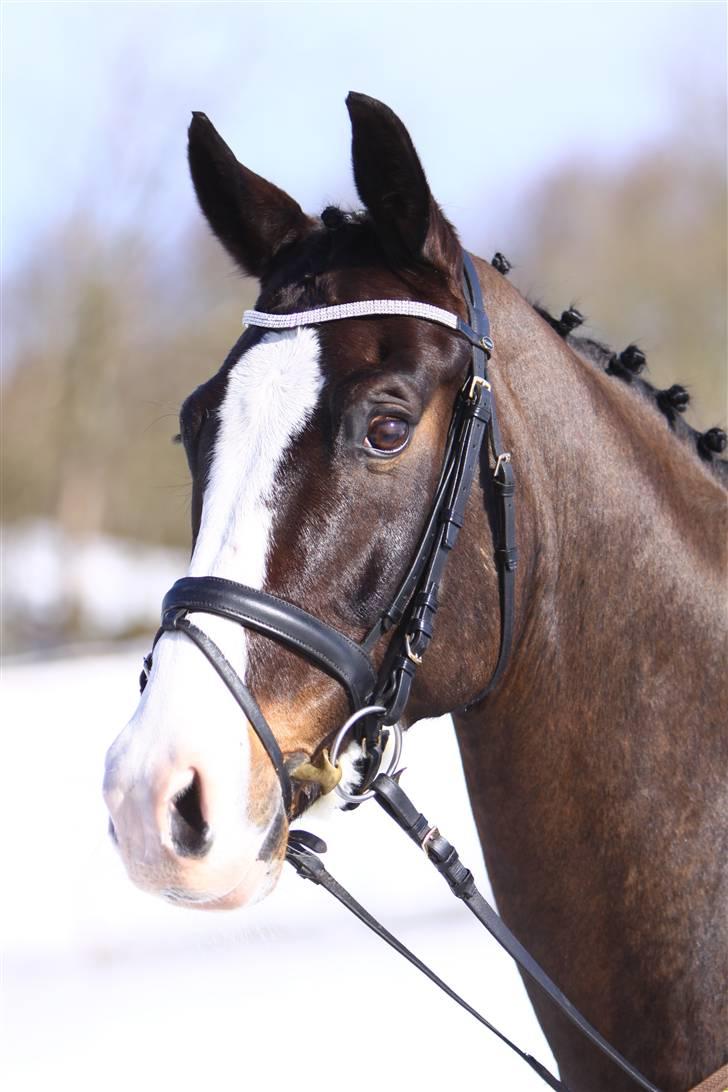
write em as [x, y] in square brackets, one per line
[294, 627]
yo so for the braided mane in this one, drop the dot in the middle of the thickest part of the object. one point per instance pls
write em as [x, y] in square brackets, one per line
[628, 366]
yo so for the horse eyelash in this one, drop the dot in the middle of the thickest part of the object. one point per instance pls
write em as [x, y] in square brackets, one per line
[177, 438]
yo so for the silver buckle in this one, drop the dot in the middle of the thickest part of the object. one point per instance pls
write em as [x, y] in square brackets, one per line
[504, 457]
[475, 382]
[432, 833]
[410, 654]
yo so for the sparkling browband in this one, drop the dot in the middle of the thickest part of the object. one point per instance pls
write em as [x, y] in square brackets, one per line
[360, 309]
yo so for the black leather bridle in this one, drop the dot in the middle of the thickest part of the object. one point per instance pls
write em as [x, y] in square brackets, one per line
[414, 606]
[411, 614]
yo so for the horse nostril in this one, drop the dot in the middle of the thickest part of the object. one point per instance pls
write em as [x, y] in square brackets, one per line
[190, 832]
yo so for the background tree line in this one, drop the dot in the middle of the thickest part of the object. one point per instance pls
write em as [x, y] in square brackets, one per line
[109, 331]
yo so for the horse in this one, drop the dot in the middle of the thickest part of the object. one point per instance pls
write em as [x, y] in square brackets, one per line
[596, 766]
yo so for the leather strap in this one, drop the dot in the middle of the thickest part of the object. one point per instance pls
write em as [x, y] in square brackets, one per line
[310, 867]
[506, 552]
[417, 628]
[445, 859]
[403, 596]
[416, 602]
[506, 557]
[240, 692]
[291, 625]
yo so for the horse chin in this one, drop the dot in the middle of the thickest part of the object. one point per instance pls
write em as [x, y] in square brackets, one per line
[240, 868]
[257, 883]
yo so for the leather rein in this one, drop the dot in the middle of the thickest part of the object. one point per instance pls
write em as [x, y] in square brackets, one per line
[378, 698]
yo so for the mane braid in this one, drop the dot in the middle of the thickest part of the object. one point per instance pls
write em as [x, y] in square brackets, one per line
[344, 228]
[671, 402]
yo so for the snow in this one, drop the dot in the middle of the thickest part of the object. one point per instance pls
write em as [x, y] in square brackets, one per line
[108, 988]
[48, 577]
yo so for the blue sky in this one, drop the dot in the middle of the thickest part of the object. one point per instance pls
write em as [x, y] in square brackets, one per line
[494, 95]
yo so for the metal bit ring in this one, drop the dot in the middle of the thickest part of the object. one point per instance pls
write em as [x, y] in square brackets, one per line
[356, 798]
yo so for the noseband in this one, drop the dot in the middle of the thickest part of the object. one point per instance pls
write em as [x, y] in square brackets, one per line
[414, 606]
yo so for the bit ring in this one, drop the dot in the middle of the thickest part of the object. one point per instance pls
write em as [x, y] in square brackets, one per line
[357, 798]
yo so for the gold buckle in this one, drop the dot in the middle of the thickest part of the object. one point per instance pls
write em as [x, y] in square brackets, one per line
[475, 382]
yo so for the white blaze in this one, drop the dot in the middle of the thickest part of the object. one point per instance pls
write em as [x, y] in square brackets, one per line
[271, 394]
[186, 710]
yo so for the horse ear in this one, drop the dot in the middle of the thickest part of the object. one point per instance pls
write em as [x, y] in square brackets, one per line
[252, 218]
[392, 184]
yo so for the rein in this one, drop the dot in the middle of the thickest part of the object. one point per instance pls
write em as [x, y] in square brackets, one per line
[378, 698]
[302, 851]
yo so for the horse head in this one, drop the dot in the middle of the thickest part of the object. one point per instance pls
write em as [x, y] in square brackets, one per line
[315, 452]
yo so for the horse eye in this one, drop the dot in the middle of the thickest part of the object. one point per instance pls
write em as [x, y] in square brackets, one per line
[387, 434]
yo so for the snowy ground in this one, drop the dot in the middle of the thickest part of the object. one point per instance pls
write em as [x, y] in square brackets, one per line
[108, 989]
[53, 585]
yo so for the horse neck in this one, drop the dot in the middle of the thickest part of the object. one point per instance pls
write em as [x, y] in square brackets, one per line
[603, 737]
[617, 516]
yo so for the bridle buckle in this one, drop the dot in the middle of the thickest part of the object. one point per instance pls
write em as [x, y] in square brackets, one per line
[431, 834]
[477, 383]
[504, 457]
[411, 654]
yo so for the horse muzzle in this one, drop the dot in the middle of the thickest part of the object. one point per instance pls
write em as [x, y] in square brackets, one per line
[199, 831]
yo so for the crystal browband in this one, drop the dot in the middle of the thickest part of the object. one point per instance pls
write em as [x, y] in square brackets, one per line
[366, 309]
[359, 309]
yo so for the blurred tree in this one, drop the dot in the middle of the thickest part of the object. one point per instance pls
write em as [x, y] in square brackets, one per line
[641, 249]
[113, 327]
[108, 341]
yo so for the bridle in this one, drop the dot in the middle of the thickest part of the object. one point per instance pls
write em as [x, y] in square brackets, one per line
[378, 698]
